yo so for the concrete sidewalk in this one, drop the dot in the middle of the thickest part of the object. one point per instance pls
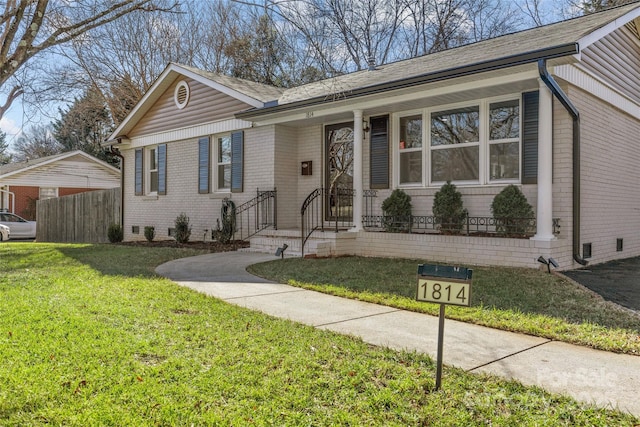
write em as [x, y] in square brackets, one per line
[605, 379]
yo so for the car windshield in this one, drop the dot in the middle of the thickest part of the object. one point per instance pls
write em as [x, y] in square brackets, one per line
[10, 218]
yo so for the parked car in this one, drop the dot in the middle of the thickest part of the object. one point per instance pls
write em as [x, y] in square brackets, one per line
[19, 227]
[4, 232]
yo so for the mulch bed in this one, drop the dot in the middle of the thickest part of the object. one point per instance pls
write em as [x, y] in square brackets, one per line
[207, 246]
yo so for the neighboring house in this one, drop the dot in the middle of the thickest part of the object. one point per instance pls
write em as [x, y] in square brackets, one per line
[554, 110]
[22, 183]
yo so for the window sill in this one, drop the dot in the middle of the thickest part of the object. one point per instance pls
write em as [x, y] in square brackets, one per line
[220, 195]
[150, 197]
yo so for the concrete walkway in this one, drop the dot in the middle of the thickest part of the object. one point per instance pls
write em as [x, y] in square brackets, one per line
[602, 378]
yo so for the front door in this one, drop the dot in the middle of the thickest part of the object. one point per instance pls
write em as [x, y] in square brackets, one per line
[339, 172]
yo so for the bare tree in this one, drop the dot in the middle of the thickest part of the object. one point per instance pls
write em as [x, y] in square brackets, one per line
[345, 35]
[36, 142]
[30, 27]
[533, 10]
[591, 6]
[491, 18]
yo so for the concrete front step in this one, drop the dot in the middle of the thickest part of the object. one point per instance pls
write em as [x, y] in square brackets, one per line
[319, 243]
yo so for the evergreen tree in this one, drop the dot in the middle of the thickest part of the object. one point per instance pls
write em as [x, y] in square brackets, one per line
[5, 156]
[85, 125]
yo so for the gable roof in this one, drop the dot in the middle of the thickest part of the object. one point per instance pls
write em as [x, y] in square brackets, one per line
[251, 93]
[20, 167]
[561, 41]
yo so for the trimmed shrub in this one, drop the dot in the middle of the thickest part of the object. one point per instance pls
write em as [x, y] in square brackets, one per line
[449, 214]
[115, 234]
[396, 210]
[224, 233]
[512, 211]
[182, 228]
[149, 233]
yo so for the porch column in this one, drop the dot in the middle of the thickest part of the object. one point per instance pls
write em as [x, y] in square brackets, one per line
[357, 170]
[544, 212]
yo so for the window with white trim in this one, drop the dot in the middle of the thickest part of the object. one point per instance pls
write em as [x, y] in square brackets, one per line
[152, 172]
[504, 140]
[223, 162]
[473, 143]
[47, 193]
[455, 145]
[410, 147]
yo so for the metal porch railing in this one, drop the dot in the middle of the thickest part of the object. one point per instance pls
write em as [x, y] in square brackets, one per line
[472, 225]
[257, 214]
[324, 208]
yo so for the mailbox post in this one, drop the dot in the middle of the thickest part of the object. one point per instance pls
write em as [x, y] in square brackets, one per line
[443, 285]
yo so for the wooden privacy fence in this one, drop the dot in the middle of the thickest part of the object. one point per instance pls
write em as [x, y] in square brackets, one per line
[78, 218]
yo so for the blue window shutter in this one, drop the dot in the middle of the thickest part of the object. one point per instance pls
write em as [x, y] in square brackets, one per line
[530, 137]
[204, 165]
[379, 153]
[138, 172]
[162, 169]
[237, 164]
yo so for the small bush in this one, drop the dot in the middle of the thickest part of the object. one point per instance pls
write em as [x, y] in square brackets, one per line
[115, 234]
[397, 212]
[448, 211]
[512, 211]
[182, 228]
[149, 233]
[224, 233]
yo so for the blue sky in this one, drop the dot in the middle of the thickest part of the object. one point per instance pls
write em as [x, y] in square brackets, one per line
[11, 123]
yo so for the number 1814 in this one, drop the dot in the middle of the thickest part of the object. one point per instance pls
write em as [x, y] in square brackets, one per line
[444, 292]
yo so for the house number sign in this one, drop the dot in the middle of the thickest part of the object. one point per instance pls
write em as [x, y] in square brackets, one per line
[444, 291]
[443, 285]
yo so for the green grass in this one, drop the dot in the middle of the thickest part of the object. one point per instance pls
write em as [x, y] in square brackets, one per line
[514, 299]
[89, 336]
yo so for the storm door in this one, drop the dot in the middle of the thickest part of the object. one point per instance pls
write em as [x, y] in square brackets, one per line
[339, 172]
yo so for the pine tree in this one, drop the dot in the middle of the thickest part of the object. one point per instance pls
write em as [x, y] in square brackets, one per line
[5, 156]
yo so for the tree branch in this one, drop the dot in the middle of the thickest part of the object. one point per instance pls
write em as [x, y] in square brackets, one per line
[16, 91]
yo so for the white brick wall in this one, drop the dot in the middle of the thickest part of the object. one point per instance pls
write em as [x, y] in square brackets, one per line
[182, 187]
[610, 178]
[310, 147]
[287, 175]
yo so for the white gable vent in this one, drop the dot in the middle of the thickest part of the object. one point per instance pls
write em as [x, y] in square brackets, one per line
[181, 94]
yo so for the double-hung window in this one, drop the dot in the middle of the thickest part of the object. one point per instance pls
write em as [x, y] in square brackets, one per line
[152, 161]
[504, 140]
[223, 164]
[410, 147]
[150, 175]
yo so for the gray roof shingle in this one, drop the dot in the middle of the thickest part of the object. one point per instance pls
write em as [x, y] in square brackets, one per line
[258, 91]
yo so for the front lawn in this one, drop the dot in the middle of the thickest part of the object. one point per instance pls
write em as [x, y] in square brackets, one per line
[89, 336]
[514, 299]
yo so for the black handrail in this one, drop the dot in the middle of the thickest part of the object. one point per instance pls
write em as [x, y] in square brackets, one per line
[333, 207]
[257, 214]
